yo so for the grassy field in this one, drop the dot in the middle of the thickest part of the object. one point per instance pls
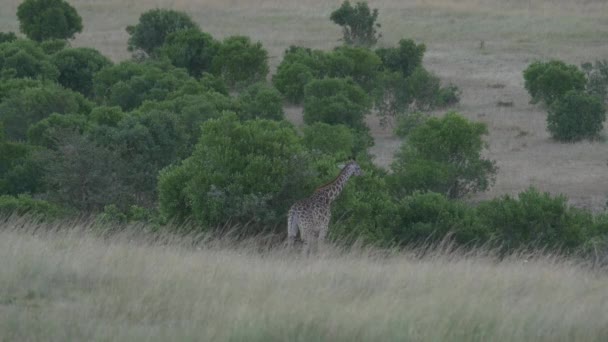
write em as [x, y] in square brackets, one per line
[74, 284]
[514, 33]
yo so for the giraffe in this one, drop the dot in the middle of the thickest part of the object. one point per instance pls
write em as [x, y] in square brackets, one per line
[311, 215]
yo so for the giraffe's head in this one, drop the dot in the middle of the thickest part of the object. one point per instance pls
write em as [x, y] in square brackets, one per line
[353, 168]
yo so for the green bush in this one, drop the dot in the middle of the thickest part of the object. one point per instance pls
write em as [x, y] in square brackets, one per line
[52, 46]
[25, 205]
[260, 101]
[129, 84]
[358, 23]
[154, 26]
[191, 49]
[408, 122]
[22, 109]
[337, 141]
[241, 62]
[77, 66]
[576, 116]
[298, 67]
[18, 172]
[360, 64]
[443, 155]
[25, 59]
[549, 81]
[7, 37]
[336, 101]
[405, 58]
[45, 131]
[392, 96]
[535, 219]
[252, 173]
[423, 219]
[107, 116]
[46, 19]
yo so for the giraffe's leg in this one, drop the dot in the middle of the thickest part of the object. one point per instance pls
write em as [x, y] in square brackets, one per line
[292, 228]
[323, 229]
[308, 239]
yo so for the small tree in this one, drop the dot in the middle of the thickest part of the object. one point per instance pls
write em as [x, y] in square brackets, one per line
[7, 37]
[576, 116]
[443, 155]
[241, 62]
[191, 49]
[405, 58]
[358, 23]
[334, 140]
[25, 59]
[77, 68]
[551, 80]
[154, 26]
[46, 19]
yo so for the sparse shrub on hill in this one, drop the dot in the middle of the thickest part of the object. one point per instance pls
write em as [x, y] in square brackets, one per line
[575, 116]
[535, 220]
[241, 62]
[77, 66]
[25, 59]
[46, 19]
[443, 155]
[597, 79]
[154, 26]
[359, 23]
[191, 49]
[129, 84]
[260, 101]
[240, 172]
[549, 81]
[21, 109]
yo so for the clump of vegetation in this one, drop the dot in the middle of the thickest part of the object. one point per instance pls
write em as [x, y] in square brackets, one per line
[597, 79]
[443, 155]
[78, 66]
[191, 49]
[575, 116]
[260, 101]
[48, 19]
[154, 26]
[26, 59]
[549, 81]
[359, 23]
[240, 62]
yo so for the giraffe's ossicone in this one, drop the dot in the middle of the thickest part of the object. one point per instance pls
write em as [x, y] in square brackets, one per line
[311, 215]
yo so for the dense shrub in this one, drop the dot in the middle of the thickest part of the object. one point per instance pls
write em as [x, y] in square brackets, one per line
[154, 26]
[77, 67]
[408, 122]
[576, 116]
[251, 174]
[241, 62]
[18, 172]
[46, 19]
[360, 64]
[52, 46]
[45, 131]
[129, 84]
[336, 101]
[26, 205]
[21, 109]
[358, 23]
[107, 116]
[535, 219]
[191, 49]
[298, 67]
[549, 81]
[6, 37]
[334, 140]
[404, 59]
[443, 155]
[25, 59]
[428, 218]
[260, 101]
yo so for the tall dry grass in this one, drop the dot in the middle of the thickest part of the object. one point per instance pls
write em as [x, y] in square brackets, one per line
[76, 284]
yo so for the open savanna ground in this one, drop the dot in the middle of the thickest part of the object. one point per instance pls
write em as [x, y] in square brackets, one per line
[482, 46]
[72, 282]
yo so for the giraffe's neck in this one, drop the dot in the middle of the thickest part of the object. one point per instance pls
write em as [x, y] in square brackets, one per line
[331, 190]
